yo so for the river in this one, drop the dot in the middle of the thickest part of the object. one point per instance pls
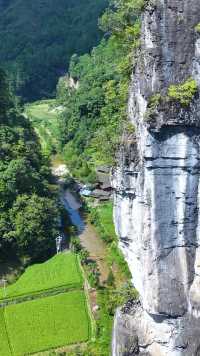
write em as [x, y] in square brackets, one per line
[89, 238]
[72, 206]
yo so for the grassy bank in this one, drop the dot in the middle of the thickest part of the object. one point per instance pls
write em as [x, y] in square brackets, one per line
[102, 218]
[116, 291]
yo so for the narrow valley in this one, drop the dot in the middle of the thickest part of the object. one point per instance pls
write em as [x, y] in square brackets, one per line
[99, 177]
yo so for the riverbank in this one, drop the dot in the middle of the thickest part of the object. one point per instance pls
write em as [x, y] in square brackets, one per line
[99, 247]
[91, 241]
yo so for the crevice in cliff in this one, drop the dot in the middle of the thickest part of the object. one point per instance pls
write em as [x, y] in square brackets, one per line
[181, 246]
[160, 318]
[143, 347]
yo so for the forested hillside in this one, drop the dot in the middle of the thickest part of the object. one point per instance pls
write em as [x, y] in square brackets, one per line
[28, 211]
[79, 129]
[95, 109]
[37, 39]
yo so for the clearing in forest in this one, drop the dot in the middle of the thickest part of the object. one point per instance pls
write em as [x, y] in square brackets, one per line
[44, 116]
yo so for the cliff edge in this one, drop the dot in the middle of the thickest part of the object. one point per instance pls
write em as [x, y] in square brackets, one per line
[157, 187]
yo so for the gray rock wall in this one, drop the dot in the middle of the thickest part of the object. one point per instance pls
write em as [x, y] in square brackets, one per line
[157, 191]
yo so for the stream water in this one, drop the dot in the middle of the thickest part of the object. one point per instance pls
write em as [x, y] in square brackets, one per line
[72, 206]
[87, 233]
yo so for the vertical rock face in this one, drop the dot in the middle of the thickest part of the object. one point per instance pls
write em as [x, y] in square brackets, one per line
[157, 190]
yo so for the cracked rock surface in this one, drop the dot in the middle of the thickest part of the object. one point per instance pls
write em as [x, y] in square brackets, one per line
[157, 191]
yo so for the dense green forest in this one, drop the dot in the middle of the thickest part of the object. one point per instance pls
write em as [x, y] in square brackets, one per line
[90, 126]
[37, 39]
[95, 109]
[84, 124]
[28, 210]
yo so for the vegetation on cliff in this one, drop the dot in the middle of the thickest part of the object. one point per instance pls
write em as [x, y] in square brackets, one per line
[197, 28]
[184, 92]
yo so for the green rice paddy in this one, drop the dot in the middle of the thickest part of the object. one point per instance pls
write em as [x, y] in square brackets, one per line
[45, 119]
[46, 322]
[4, 342]
[60, 271]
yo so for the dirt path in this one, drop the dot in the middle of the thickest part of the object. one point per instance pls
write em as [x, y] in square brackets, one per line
[96, 248]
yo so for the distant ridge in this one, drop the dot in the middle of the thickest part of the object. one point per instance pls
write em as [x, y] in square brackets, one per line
[37, 39]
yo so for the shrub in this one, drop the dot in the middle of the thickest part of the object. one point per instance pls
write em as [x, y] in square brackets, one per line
[130, 128]
[183, 93]
[197, 28]
[76, 245]
[153, 103]
[111, 279]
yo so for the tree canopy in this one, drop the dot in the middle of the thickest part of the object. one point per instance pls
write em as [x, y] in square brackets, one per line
[95, 112]
[39, 37]
[28, 210]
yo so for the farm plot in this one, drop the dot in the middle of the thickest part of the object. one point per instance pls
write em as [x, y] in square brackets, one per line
[4, 343]
[45, 119]
[47, 323]
[60, 271]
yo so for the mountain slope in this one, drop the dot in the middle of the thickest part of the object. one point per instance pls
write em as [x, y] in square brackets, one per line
[37, 39]
[28, 210]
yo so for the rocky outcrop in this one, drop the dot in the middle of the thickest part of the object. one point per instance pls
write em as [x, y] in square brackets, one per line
[102, 188]
[157, 190]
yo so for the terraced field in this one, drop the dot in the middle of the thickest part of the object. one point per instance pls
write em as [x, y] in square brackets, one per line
[46, 322]
[62, 270]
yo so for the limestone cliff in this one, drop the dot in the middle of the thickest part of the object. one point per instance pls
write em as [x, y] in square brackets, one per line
[157, 190]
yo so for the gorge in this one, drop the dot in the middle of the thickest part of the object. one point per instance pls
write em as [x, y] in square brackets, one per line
[131, 102]
[157, 191]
